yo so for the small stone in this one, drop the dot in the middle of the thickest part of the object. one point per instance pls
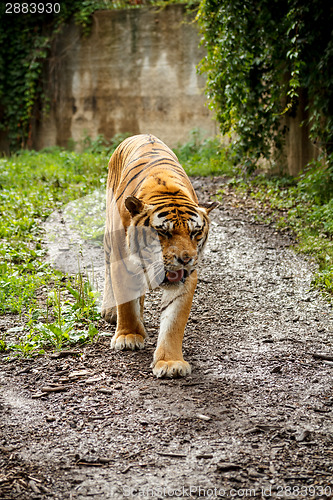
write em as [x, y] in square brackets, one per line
[227, 466]
[203, 417]
[302, 435]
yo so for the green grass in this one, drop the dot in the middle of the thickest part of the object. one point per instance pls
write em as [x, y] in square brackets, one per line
[64, 322]
[32, 186]
[204, 157]
[303, 205]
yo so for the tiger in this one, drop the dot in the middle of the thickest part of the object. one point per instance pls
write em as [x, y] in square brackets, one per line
[152, 216]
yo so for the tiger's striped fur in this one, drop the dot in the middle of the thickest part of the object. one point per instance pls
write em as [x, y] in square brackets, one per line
[147, 189]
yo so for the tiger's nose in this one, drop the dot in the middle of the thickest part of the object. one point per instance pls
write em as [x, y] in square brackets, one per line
[184, 260]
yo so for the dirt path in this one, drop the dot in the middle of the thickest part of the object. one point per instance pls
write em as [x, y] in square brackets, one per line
[254, 420]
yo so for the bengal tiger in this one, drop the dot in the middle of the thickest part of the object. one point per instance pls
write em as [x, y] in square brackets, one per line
[155, 233]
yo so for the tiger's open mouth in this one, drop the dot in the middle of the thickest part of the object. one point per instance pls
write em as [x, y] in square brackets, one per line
[178, 276]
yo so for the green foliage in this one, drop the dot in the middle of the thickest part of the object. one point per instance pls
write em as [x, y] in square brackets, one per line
[100, 145]
[204, 157]
[261, 58]
[324, 281]
[19, 285]
[25, 41]
[85, 299]
[32, 186]
[303, 205]
[317, 182]
[72, 322]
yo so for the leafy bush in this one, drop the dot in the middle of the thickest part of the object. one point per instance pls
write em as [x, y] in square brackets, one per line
[262, 58]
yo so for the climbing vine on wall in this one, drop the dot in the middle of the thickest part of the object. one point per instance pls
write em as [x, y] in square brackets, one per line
[25, 41]
[27, 30]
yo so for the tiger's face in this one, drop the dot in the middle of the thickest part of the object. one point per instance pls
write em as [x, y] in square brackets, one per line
[181, 231]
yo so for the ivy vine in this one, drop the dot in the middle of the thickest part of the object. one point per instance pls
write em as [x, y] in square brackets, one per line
[25, 42]
[262, 56]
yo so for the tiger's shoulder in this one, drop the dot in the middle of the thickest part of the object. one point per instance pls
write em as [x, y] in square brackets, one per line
[145, 166]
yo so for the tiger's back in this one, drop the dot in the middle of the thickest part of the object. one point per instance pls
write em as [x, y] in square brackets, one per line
[145, 164]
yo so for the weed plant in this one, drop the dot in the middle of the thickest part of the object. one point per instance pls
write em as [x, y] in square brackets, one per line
[305, 206]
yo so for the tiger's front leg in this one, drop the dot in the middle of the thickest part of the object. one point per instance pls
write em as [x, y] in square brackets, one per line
[176, 306]
[130, 332]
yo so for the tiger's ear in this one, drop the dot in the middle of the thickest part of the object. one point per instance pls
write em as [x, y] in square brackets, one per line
[209, 206]
[134, 205]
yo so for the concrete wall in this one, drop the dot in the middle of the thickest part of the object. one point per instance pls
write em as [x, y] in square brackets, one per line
[135, 72]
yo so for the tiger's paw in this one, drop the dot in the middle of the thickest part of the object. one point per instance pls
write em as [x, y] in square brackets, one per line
[178, 368]
[130, 341]
[109, 315]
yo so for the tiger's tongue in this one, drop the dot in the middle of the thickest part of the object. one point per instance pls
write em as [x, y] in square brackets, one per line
[175, 276]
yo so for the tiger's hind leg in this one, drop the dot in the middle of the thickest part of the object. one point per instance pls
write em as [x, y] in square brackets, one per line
[110, 315]
[108, 312]
[130, 332]
[142, 304]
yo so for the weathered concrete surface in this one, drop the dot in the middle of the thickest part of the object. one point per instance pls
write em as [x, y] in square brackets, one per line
[135, 72]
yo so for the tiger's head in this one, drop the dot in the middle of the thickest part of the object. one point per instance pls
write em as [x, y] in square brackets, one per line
[180, 230]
